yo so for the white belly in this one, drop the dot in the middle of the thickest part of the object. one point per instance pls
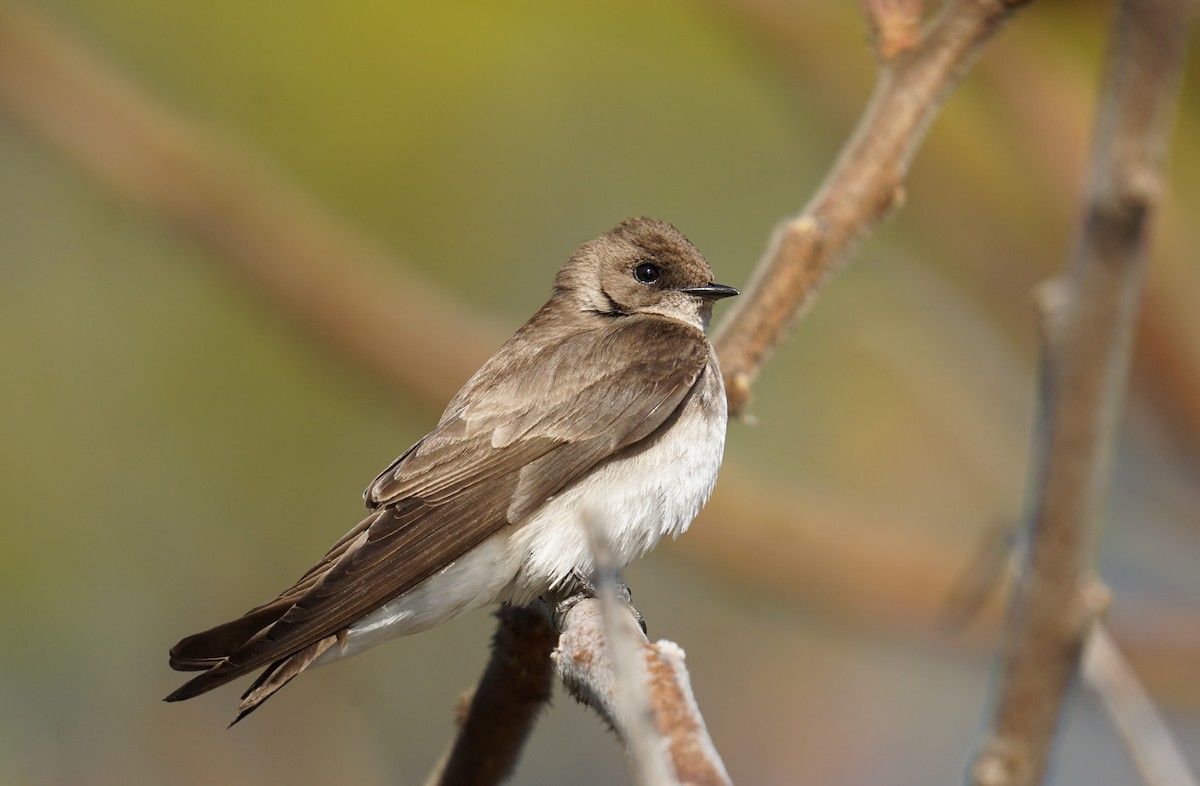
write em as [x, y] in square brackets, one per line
[635, 499]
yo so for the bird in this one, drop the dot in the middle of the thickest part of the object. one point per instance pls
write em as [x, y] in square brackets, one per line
[608, 403]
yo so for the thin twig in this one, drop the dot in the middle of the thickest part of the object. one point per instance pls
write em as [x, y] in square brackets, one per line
[1088, 319]
[864, 186]
[1138, 721]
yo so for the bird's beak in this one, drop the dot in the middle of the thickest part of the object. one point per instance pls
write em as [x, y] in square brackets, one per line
[711, 291]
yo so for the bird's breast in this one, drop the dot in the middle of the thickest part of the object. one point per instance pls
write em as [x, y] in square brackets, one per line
[652, 489]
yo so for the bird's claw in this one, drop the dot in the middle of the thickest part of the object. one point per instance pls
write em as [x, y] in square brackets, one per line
[581, 588]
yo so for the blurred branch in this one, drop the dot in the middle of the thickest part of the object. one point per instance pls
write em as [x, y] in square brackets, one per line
[1141, 727]
[496, 720]
[1088, 319]
[1105, 671]
[1039, 99]
[866, 182]
[338, 286]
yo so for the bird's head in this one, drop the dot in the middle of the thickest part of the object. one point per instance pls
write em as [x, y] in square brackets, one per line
[641, 266]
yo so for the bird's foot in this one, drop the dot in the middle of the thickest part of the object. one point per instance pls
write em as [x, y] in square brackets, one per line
[581, 587]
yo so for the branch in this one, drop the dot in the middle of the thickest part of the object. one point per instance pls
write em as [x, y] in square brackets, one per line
[605, 661]
[867, 181]
[1088, 320]
[1141, 727]
[499, 716]
[586, 667]
[663, 731]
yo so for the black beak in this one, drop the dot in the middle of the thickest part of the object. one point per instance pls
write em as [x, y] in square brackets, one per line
[711, 291]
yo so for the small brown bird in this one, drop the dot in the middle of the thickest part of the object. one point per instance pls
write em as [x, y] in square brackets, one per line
[608, 401]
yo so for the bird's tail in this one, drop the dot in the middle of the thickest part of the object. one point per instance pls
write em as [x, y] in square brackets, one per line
[280, 673]
[202, 651]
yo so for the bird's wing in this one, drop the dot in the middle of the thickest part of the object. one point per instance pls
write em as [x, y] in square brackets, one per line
[488, 464]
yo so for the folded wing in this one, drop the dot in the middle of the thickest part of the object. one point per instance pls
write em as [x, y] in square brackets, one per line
[495, 457]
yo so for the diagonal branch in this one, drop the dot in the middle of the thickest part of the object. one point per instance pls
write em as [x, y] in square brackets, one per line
[1088, 319]
[866, 182]
[1142, 729]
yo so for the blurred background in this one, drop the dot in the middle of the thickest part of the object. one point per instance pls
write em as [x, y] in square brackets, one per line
[176, 447]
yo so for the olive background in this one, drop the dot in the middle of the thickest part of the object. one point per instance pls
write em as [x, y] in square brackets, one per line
[174, 449]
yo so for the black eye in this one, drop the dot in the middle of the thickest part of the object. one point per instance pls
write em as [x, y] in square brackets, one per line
[647, 273]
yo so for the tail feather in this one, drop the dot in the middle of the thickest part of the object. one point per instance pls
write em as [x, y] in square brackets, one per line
[210, 651]
[280, 673]
[202, 651]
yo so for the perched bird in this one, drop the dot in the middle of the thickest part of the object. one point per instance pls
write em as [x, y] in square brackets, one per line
[607, 402]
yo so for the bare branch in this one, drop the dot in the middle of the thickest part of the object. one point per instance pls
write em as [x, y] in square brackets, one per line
[665, 716]
[865, 185]
[586, 668]
[499, 716]
[1142, 728]
[1088, 320]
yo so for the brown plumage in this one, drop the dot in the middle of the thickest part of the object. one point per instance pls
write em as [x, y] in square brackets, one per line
[599, 374]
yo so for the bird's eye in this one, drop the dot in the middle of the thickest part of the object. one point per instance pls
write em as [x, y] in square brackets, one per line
[647, 273]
